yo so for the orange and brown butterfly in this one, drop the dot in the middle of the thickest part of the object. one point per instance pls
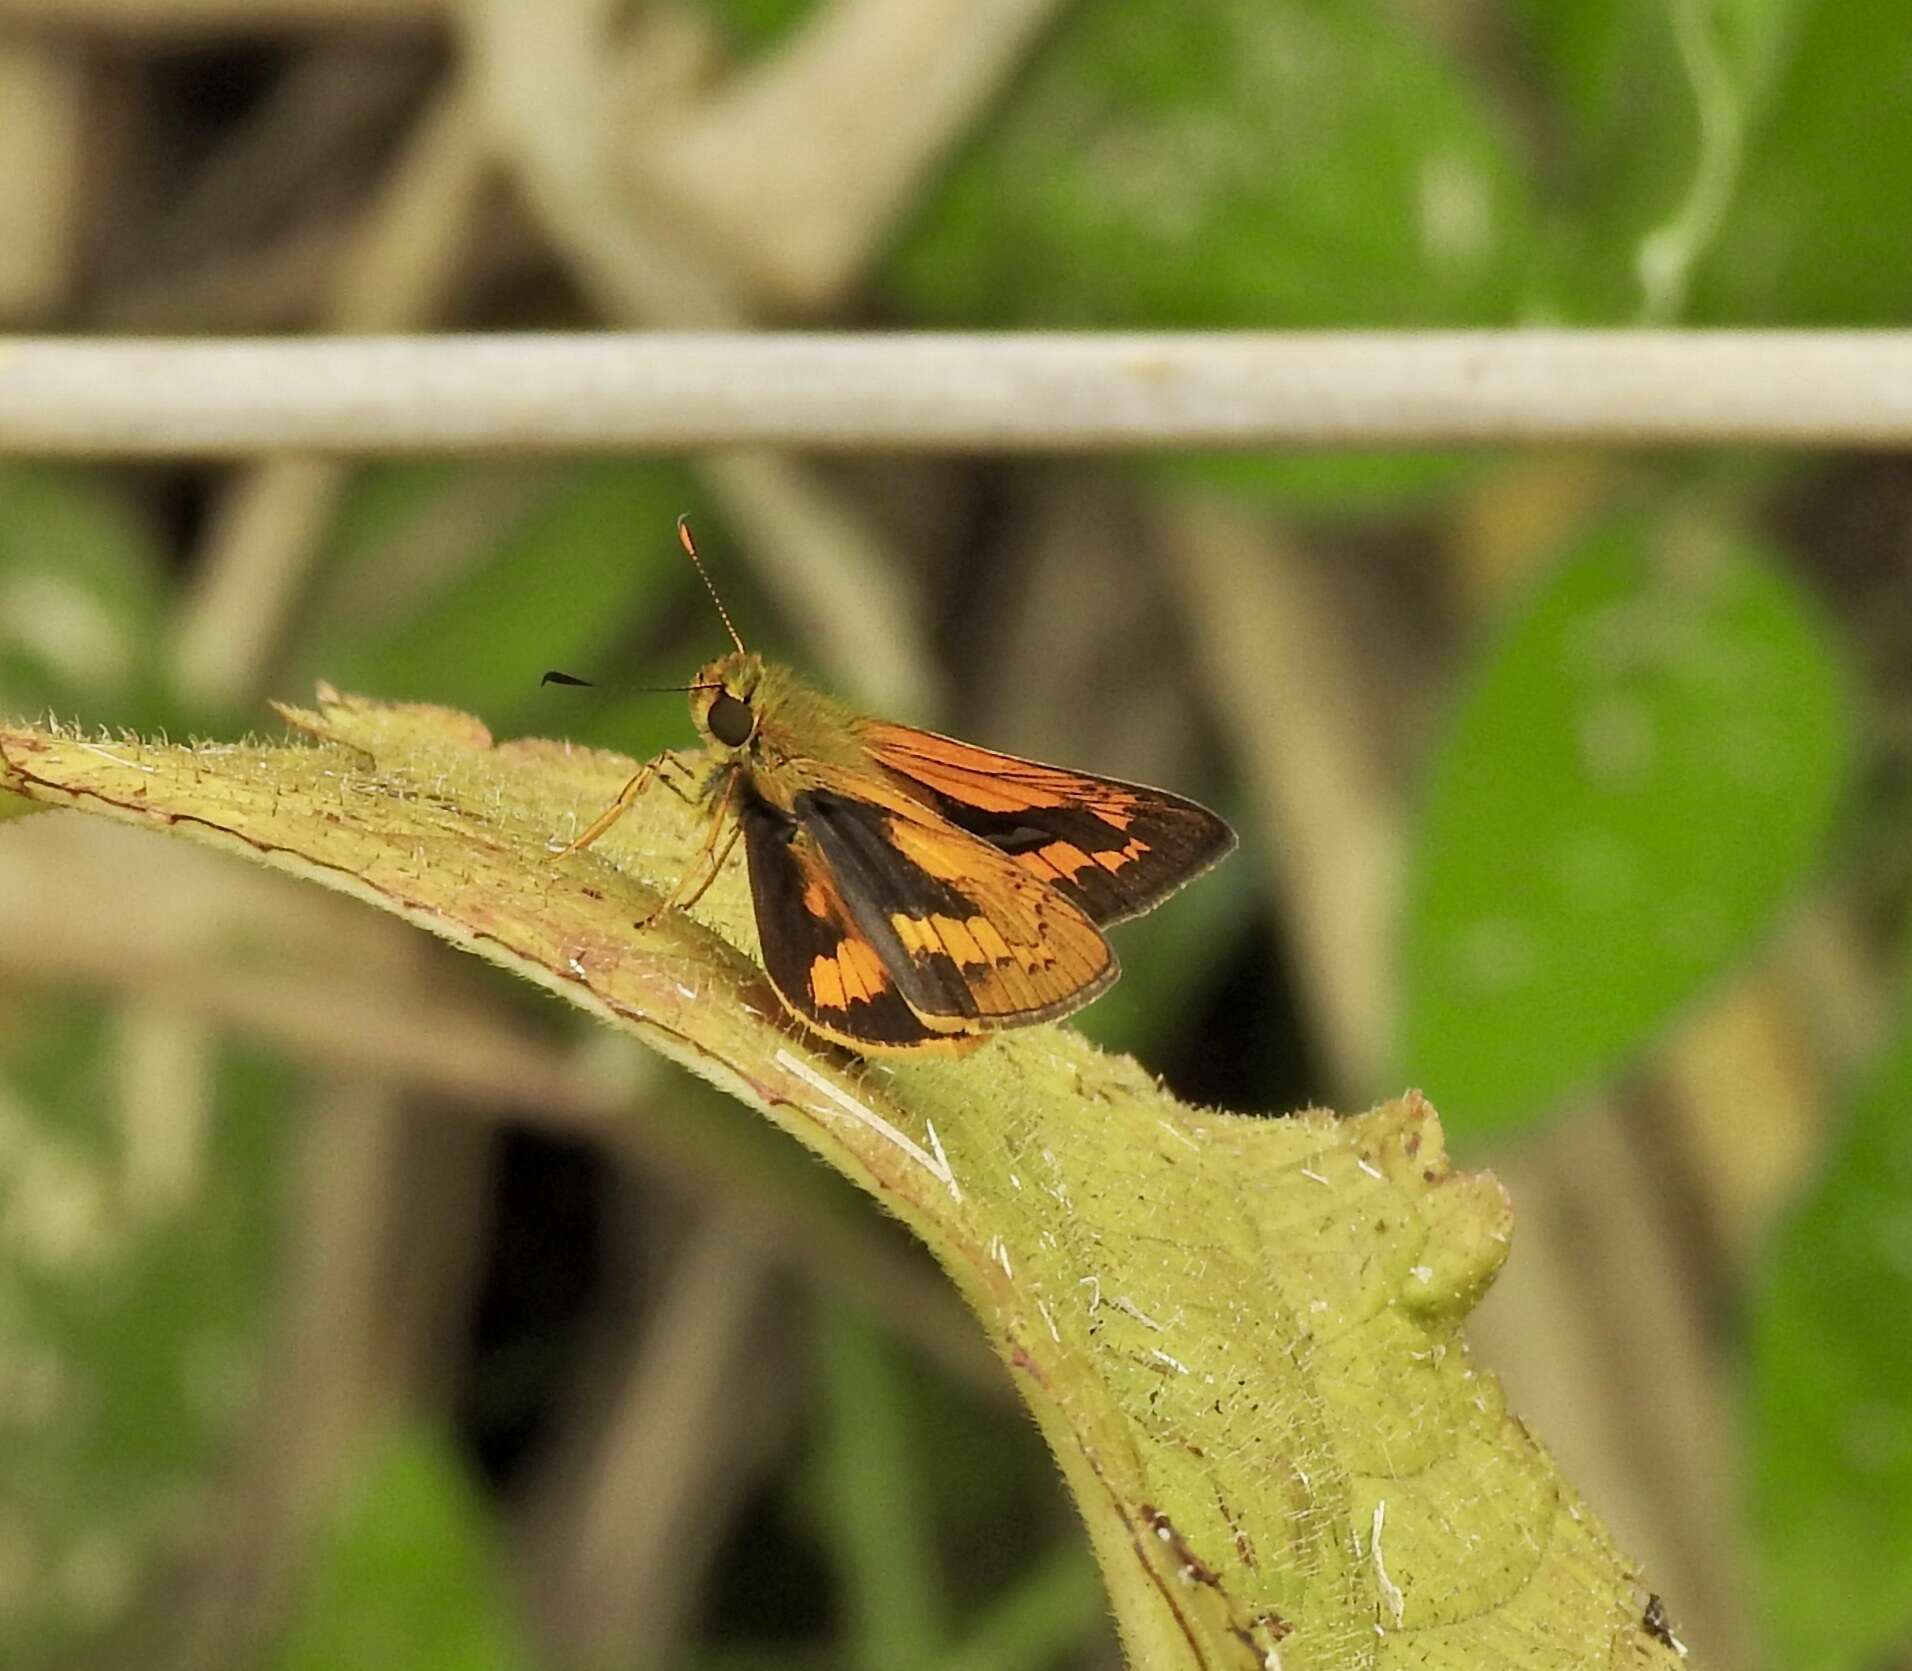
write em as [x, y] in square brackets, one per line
[912, 891]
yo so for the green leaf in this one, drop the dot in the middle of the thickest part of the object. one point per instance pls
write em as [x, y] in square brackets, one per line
[1818, 232]
[1623, 129]
[1643, 770]
[136, 1257]
[1829, 1441]
[1241, 1338]
[1238, 163]
[406, 1575]
[1647, 107]
[1332, 484]
[79, 590]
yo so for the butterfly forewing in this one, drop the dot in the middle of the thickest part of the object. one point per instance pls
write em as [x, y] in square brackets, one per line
[1115, 848]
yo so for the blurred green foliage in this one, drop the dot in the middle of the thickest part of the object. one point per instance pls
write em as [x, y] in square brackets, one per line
[1829, 1410]
[81, 589]
[1644, 770]
[131, 1302]
[1241, 163]
[1238, 162]
[874, 1506]
[906, 1473]
[579, 569]
[405, 1573]
[1818, 233]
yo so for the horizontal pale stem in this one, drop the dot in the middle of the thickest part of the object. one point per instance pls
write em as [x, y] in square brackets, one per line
[1026, 393]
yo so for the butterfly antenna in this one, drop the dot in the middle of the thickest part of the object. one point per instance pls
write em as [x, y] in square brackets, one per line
[690, 550]
[554, 677]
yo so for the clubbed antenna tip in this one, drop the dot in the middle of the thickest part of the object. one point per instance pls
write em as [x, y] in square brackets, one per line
[690, 550]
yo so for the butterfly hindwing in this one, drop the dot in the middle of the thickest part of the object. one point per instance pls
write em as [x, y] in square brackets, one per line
[970, 937]
[821, 963]
[1114, 848]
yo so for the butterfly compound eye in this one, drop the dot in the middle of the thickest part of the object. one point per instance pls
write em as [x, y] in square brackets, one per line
[730, 721]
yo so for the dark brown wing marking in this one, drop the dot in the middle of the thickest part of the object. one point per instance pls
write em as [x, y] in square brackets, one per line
[822, 965]
[1116, 849]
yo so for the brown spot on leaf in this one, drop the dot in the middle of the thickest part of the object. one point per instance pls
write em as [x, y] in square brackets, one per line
[1244, 1545]
[1193, 1568]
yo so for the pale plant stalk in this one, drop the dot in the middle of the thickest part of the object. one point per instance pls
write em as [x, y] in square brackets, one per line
[1036, 392]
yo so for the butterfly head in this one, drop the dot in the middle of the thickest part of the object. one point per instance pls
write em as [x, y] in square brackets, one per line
[721, 698]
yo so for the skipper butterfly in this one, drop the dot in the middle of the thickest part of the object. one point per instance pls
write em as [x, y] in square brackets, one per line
[912, 891]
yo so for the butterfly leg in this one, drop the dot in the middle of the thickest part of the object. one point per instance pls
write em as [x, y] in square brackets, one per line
[686, 775]
[681, 899]
[711, 872]
[616, 810]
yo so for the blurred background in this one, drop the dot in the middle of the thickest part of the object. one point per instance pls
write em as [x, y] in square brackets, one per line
[359, 1306]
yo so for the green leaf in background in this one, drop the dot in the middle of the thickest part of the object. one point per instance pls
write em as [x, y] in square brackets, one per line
[136, 1257]
[1647, 106]
[1644, 768]
[1622, 135]
[1819, 232]
[1829, 1441]
[79, 592]
[406, 1575]
[874, 1502]
[1241, 163]
[757, 25]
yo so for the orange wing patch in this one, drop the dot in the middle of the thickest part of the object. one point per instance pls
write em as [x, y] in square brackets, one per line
[1063, 861]
[993, 782]
[968, 942]
[854, 974]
